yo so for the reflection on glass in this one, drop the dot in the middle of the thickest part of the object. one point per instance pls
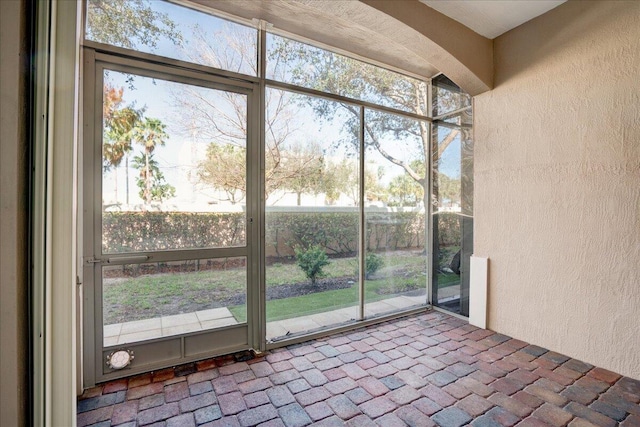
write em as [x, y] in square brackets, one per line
[153, 300]
[311, 219]
[177, 32]
[395, 219]
[173, 165]
[290, 61]
[452, 200]
[447, 96]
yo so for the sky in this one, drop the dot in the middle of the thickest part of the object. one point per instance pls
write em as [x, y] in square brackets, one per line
[179, 158]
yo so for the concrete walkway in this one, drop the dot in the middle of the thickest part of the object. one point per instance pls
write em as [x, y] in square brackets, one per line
[158, 327]
[422, 370]
[139, 330]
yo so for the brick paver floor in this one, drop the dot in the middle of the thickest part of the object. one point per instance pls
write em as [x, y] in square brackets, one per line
[423, 370]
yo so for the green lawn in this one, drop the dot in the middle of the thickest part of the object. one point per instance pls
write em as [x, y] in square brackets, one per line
[375, 290]
[320, 302]
[146, 296]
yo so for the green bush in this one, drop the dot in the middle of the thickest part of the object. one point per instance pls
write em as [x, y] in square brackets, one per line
[336, 232]
[311, 262]
[372, 263]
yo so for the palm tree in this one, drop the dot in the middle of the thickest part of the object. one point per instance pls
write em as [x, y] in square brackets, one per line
[150, 133]
[117, 142]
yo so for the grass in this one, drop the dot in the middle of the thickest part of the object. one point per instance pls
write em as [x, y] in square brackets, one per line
[375, 290]
[145, 296]
[320, 302]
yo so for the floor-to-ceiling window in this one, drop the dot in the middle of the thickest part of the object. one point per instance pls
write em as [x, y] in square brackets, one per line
[346, 156]
[243, 188]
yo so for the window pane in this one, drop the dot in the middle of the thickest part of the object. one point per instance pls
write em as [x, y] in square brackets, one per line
[447, 96]
[311, 218]
[452, 211]
[395, 218]
[154, 300]
[297, 63]
[174, 31]
[173, 165]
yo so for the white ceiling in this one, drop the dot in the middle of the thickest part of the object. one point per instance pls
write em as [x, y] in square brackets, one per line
[490, 18]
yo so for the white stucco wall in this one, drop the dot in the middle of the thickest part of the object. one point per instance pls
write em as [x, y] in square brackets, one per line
[557, 202]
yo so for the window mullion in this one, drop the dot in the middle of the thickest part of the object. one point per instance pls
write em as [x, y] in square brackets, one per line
[362, 225]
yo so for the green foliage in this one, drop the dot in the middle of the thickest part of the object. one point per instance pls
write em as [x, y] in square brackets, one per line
[336, 232]
[448, 188]
[156, 231]
[404, 191]
[151, 133]
[311, 262]
[303, 165]
[129, 24]
[372, 263]
[224, 168]
[447, 235]
[322, 70]
[119, 126]
[151, 182]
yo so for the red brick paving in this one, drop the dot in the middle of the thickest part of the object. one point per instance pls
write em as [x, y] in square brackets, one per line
[423, 370]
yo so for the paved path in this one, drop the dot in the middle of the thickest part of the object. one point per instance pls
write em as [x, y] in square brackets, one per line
[422, 370]
[158, 327]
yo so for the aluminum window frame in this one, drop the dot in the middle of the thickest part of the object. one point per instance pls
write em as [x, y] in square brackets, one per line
[257, 331]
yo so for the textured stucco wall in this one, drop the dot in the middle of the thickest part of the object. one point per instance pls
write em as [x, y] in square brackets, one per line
[13, 216]
[557, 202]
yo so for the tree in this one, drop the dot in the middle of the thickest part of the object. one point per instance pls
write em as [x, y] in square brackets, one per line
[325, 71]
[118, 134]
[151, 180]
[119, 122]
[225, 168]
[221, 116]
[448, 188]
[343, 177]
[404, 191]
[336, 180]
[129, 23]
[150, 133]
[303, 166]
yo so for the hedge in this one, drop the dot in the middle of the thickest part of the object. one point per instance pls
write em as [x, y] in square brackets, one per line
[336, 232]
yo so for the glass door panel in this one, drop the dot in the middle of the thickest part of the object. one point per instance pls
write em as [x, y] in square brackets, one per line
[395, 215]
[311, 215]
[154, 300]
[173, 166]
[172, 239]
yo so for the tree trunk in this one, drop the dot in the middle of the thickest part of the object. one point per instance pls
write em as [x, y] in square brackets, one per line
[147, 179]
[126, 176]
[115, 179]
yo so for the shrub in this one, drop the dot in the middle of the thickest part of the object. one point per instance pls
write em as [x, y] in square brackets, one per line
[311, 262]
[372, 263]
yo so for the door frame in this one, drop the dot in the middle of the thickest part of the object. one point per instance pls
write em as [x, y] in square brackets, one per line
[186, 347]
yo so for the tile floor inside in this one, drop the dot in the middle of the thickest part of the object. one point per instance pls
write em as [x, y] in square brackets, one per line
[422, 370]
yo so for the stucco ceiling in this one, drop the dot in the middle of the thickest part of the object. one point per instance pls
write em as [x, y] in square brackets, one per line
[490, 18]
